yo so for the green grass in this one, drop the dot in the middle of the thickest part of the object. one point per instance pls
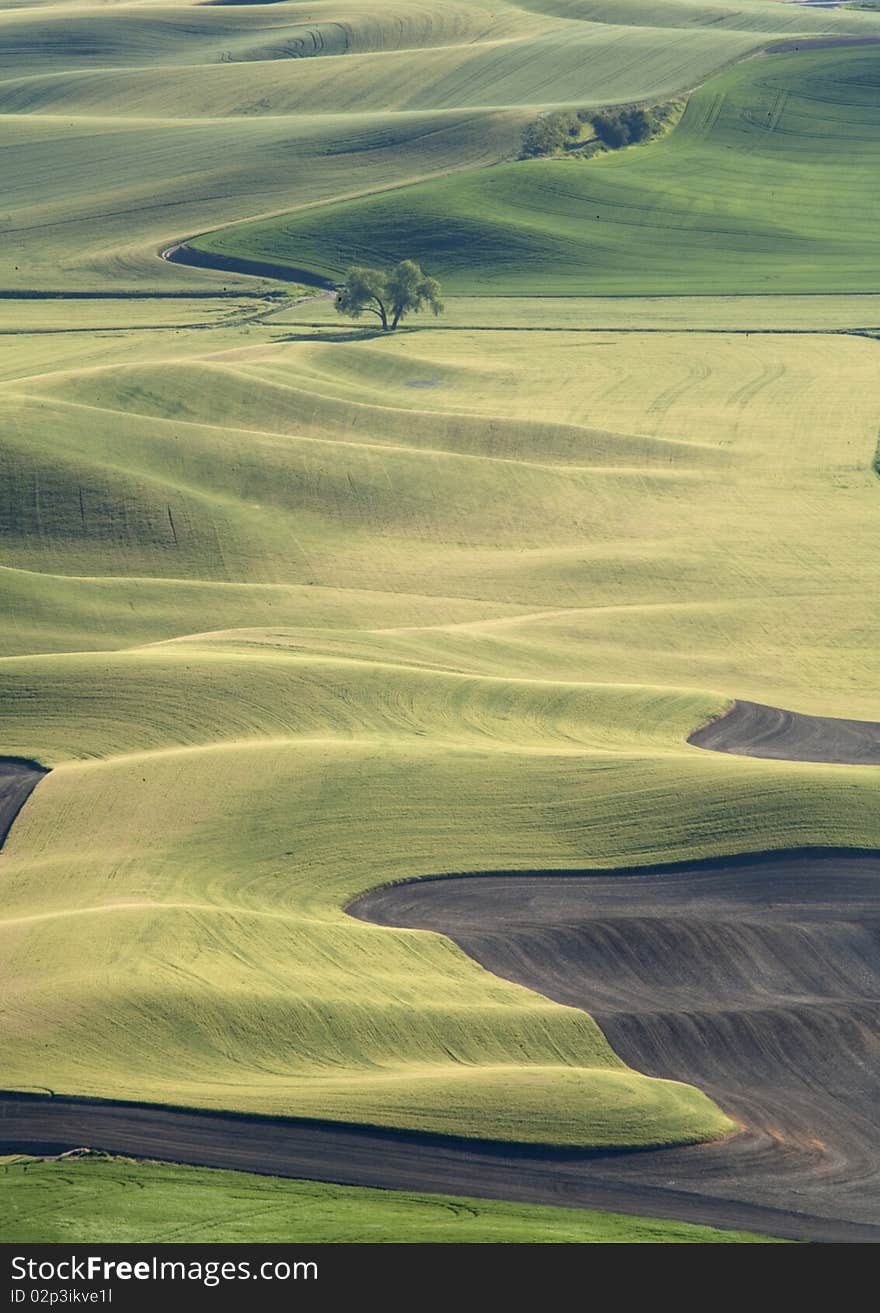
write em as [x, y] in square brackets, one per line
[765, 185]
[296, 610]
[101, 1200]
[125, 130]
[559, 604]
[632, 314]
[94, 198]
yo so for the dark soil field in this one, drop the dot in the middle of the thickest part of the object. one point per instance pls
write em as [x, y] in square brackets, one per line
[18, 779]
[752, 730]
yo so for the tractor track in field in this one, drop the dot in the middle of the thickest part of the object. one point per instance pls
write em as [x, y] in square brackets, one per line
[754, 977]
[259, 309]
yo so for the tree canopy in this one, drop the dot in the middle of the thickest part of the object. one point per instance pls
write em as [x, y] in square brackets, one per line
[548, 133]
[389, 294]
[623, 128]
[562, 131]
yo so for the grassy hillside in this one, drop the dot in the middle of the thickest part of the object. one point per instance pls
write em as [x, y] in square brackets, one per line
[125, 128]
[510, 573]
[118, 1201]
[767, 184]
[292, 609]
[316, 317]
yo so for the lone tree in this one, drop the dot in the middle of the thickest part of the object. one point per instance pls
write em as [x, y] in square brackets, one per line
[389, 295]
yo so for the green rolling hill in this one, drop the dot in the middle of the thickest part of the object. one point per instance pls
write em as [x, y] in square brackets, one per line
[292, 610]
[767, 185]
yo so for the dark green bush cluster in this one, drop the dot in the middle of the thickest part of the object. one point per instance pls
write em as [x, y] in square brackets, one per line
[563, 130]
[623, 128]
[549, 133]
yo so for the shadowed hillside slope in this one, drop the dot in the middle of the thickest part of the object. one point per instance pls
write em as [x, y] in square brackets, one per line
[765, 185]
[557, 613]
[293, 609]
[127, 128]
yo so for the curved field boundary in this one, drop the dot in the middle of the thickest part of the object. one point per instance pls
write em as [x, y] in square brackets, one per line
[18, 779]
[395, 1160]
[183, 254]
[750, 729]
[790, 45]
[755, 978]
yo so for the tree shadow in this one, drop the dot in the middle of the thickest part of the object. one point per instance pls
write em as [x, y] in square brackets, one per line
[323, 333]
[348, 333]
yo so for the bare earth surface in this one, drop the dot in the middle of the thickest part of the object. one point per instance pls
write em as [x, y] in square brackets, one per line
[18, 779]
[756, 978]
[750, 729]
